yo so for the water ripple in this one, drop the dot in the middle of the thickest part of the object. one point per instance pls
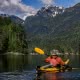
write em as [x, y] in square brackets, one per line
[25, 75]
[31, 75]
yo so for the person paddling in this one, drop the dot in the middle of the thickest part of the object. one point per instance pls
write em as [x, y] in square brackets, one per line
[55, 61]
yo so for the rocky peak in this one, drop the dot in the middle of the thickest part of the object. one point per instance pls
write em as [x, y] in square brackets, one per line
[51, 11]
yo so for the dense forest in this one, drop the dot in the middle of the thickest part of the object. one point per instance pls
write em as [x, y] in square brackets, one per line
[12, 36]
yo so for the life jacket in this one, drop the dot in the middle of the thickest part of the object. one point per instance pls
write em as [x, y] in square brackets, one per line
[55, 62]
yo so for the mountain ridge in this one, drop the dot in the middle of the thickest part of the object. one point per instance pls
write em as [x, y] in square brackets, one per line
[14, 18]
[59, 31]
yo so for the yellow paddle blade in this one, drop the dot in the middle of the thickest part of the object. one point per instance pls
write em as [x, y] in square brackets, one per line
[38, 50]
[67, 61]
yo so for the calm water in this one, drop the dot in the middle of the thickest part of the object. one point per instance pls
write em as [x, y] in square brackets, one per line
[23, 67]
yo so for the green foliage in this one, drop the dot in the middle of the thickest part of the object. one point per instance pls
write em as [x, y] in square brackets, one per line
[12, 37]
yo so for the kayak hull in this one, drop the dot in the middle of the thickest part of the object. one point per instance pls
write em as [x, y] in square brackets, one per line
[54, 69]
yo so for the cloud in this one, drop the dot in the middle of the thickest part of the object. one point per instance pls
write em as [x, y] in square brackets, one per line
[47, 2]
[16, 7]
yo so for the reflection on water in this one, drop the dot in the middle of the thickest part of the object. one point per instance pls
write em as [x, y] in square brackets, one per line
[11, 62]
[23, 67]
[59, 76]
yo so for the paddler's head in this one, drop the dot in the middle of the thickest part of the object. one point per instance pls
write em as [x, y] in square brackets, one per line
[53, 54]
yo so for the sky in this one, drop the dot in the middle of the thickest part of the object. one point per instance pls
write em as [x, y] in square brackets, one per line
[24, 8]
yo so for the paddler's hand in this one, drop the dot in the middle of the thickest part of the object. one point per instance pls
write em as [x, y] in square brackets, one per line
[67, 62]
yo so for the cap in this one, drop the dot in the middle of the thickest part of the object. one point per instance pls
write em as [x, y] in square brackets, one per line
[53, 53]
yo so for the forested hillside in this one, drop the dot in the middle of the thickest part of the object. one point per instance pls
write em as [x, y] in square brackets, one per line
[61, 32]
[12, 36]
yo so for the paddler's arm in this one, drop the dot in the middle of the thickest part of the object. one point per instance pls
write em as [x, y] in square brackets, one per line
[47, 59]
[61, 61]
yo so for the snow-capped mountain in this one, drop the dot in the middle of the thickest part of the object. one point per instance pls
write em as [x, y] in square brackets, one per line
[51, 11]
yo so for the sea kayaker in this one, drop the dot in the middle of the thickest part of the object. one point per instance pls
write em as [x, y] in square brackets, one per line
[55, 61]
